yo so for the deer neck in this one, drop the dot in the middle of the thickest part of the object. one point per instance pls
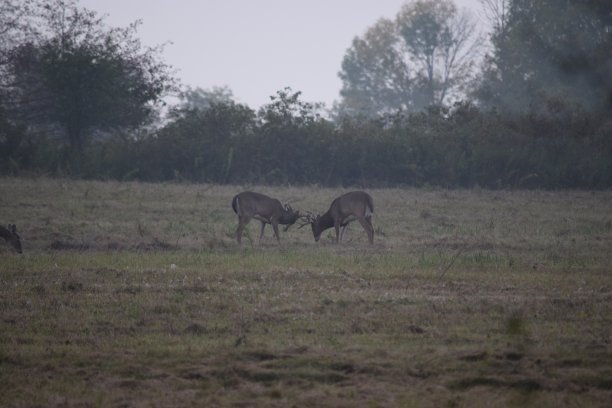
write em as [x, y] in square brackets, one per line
[326, 221]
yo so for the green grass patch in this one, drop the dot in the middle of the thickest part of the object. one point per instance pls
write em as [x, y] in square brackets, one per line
[136, 294]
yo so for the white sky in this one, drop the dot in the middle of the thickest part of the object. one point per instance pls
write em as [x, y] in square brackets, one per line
[254, 47]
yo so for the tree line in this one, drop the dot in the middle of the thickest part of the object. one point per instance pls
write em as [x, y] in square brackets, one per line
[80, 99]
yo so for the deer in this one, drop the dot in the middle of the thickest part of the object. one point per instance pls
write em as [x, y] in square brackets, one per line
[267, 210]
[356, 205]
[11, 236]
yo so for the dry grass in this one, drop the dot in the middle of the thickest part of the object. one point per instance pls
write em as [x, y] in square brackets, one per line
[133, 294]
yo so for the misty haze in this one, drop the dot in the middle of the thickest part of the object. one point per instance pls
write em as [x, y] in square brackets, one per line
[441, 171]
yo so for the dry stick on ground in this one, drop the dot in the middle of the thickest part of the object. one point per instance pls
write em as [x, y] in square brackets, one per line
[452, 261]
[180, 235]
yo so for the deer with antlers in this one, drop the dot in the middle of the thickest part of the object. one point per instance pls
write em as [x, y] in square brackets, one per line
[248, 205]
[10, 235]
[356, 205]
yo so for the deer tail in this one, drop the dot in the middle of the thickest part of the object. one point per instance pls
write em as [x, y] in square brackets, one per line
[235, 204]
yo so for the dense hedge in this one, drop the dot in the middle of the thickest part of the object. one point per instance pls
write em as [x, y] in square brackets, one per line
[229, 143]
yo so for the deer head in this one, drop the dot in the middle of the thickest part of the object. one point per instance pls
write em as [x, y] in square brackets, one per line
[289, 217]
[315, 224]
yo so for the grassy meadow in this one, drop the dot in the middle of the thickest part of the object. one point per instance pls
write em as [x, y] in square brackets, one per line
[135, 294]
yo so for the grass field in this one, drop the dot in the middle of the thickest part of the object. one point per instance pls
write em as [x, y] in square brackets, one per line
[133, 294]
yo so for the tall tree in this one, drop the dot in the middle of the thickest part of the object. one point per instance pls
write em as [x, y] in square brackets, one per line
[424, 57]
[202, 99]
[550, 55]
[442, 41]
[78, 76]
[284, 145]
[200, 143]
[376, 78]
[15, 28]
[15, 24]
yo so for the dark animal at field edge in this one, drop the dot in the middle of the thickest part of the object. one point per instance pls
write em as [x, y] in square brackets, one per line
[10, 235]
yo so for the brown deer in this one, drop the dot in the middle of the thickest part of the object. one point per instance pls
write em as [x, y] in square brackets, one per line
[356, 205]
[263, 208]
[10, 235]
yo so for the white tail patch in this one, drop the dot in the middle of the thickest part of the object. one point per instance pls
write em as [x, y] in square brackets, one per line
[368, 212]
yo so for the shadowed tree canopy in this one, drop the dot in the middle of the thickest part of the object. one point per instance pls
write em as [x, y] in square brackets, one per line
[63, 73]
[424, 57]
[549, 55]
[375, 77]
[201, 99]
[75, 76]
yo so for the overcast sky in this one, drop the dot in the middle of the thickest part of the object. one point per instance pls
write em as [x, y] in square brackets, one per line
[254, 47]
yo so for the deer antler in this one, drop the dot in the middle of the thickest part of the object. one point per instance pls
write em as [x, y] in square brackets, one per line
[308, 218]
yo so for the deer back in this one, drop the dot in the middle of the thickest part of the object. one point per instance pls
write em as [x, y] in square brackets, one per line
[249, 203]
[344, 209]
[356, 204]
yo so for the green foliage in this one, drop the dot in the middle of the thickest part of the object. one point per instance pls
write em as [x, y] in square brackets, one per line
[12, 148]
[76, 77]
[198, 98]
[127, 292]
[424, 57]
[75, 97]
[288, 143]
[374, 79]
[550, 56]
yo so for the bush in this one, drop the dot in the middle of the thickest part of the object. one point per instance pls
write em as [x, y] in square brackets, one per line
[289, 144]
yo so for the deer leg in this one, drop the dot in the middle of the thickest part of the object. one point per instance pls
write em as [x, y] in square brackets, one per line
[242, 222]
[337, 228]
[275, 227]
[367, 226]
[263, 226]
[369, 220]
[343, 230]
